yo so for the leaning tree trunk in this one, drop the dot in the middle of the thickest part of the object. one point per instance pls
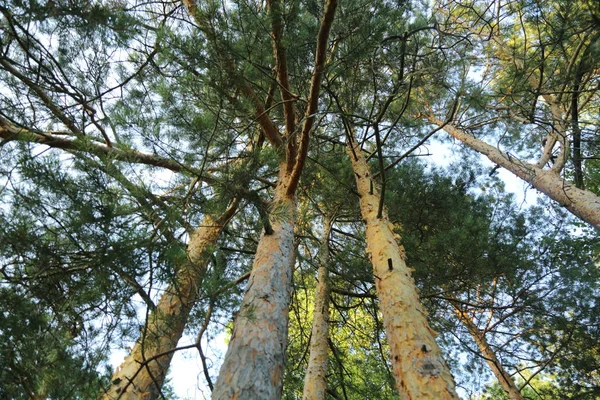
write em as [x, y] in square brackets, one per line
[315, 380]
[507, 384]
[420, 371]
[254, 362]
[143, 372]
[582, 203]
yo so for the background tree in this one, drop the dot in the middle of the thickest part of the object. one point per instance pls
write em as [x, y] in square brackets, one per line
[522, 84]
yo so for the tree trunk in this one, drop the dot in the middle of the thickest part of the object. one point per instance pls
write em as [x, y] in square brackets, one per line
[577, 164]
[582, 203]
[419, 369]
[143, 372]
[490, 357]
[315, 380]
[254, 363]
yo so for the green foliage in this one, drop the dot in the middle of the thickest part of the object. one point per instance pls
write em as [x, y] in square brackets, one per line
[43, 354]
[526, 74]
[89, 240]
[540, 387]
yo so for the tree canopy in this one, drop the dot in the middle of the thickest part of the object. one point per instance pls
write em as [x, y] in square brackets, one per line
[189, 168]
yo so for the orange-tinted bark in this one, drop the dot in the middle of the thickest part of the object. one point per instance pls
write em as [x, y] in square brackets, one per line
[143, 372]
[313, 97]
[254, 363]
[490, 357]
[315, 380]
[419, 369]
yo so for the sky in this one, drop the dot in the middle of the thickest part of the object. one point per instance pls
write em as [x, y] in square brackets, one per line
[186, 375]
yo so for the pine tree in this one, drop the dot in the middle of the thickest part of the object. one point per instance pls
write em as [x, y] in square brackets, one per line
[146, 146]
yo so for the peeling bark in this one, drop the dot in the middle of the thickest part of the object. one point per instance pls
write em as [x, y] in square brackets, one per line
[507, 384]
[254, 363]
[419, 369]
[143, 372]
[582, 203]
[315, 380]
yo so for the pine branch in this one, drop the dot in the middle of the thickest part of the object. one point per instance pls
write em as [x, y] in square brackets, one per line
[313, 98]
[270, 130]
[58, 113]
[10, 132]
[282, 74]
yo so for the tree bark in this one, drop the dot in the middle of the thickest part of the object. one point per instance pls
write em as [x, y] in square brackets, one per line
[490, 357]
[419, 369]
[577, 164]
[143, 372]
[254, 363]
[582, 203]
[315, 380]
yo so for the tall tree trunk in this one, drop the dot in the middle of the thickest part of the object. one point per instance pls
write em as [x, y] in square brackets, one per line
[143, 372]
[577, 164]
[582, 203]
[254, 363]
[490, 357]
[315, 380]
[419, 369]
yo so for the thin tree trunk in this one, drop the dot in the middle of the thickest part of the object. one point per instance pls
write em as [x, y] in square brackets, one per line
[254, 362]
[582, 203]
[143, 372]
[490, 357]
[577, 164]
[315, 380]
[419, 369]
